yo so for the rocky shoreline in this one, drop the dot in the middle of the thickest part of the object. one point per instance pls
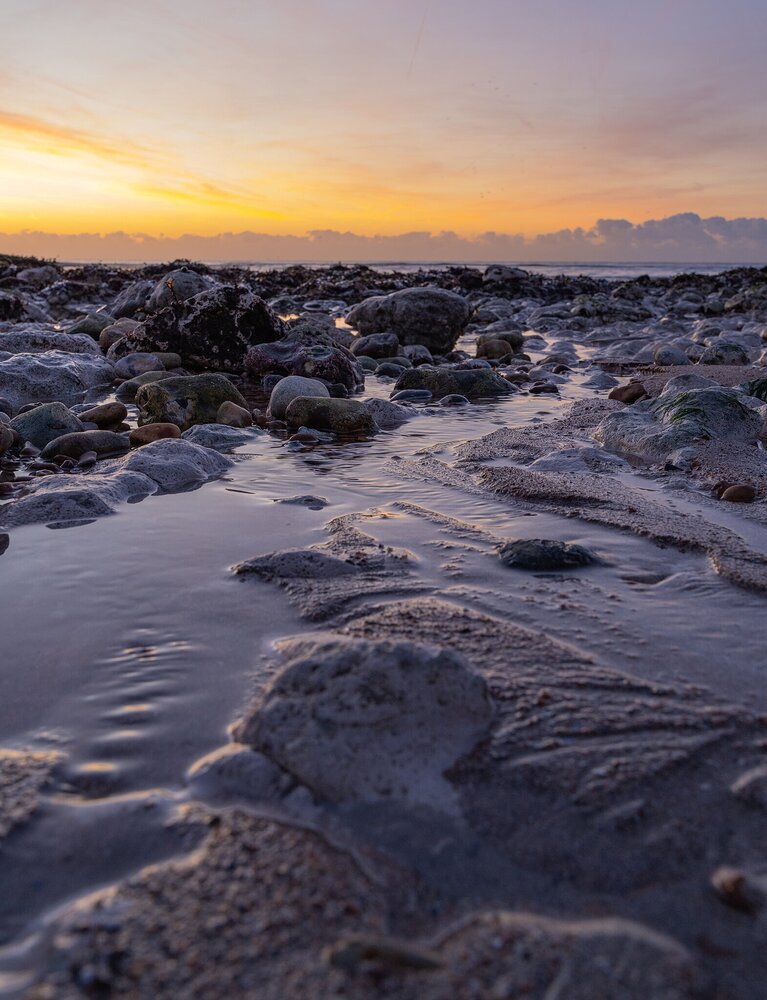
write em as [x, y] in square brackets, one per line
[430, 794]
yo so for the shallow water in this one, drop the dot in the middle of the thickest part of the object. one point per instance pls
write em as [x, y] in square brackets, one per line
[129, 645]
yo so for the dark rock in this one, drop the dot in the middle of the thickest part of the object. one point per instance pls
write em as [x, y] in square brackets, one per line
[448, 381]
[544, 554]
[429, 316]
[213, 329]
[285, 357]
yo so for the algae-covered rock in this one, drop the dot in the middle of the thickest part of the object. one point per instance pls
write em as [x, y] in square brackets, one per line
[186, 400]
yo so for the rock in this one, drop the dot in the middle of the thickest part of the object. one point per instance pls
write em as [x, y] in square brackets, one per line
[5, 407]
[92, 324]
[219, 437]
[388, 370]
[286, 357]
[741, 493]
[132, 299]
[11, 306]
[441, 382]
[290, 388]
[35, 338]
[539, 388]
[454, 399]
[655, 429]
[141, 436]
[358, 720]
[514, 339]
[388, 414]
[65, 499]
[212, 330]
[411, 396]
[667, 355]
[117, 331]
[139, 363]
[45, 423]
[741, 889]
[176, 287]
[234, 415]
[104, 443]
[376, 345]
[186, 400]
[174, 464]
[417, 354]
[428, 316]
[543, 554]
[52, 375]
[628, 394]
[342, 416]
[105, 415]
[751, 787]
[757, 388]
[724, 353]
[7, 437]
[126, 392]
[495, 349]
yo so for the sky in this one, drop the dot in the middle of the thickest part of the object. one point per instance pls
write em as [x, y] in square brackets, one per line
[150, 123]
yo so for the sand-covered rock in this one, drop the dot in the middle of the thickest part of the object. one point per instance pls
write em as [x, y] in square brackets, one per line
[369, 721]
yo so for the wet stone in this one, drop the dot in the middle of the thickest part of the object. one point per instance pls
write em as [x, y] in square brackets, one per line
[543, 554]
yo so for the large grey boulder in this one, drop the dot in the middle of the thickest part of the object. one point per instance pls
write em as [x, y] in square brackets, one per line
[360, 720]
[34, 338]
[173, 464]
[429, 316]
[52, 375]
[186, 400]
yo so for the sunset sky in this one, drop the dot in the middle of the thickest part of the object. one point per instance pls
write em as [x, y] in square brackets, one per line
[286, 116]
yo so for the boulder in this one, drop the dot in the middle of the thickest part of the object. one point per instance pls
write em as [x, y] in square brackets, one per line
[103, 443]
[290, 388]
[52, 375]
[331, 364]
[342, 416]
[139, 363]
[132, 299]
[105, 415]
[213, 329]
[186, 400]
[724, 353]
[376, 345]
[233, 415]
[176, 287]
[126, 392]
[429, 316]
[45, 423]
[358, 720]
[514, 338]
[477, 384]
[174, 464]
[35, 338]
[656, 428]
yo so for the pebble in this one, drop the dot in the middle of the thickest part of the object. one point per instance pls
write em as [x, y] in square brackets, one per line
[628, 394]
[153, 432]
[739, 493]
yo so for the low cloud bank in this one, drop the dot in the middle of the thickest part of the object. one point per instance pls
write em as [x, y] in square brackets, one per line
[684, 238]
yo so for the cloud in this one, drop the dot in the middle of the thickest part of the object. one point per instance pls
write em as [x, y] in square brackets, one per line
[682, 238]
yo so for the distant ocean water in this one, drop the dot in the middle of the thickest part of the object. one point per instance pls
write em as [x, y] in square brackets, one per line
[616, 271]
